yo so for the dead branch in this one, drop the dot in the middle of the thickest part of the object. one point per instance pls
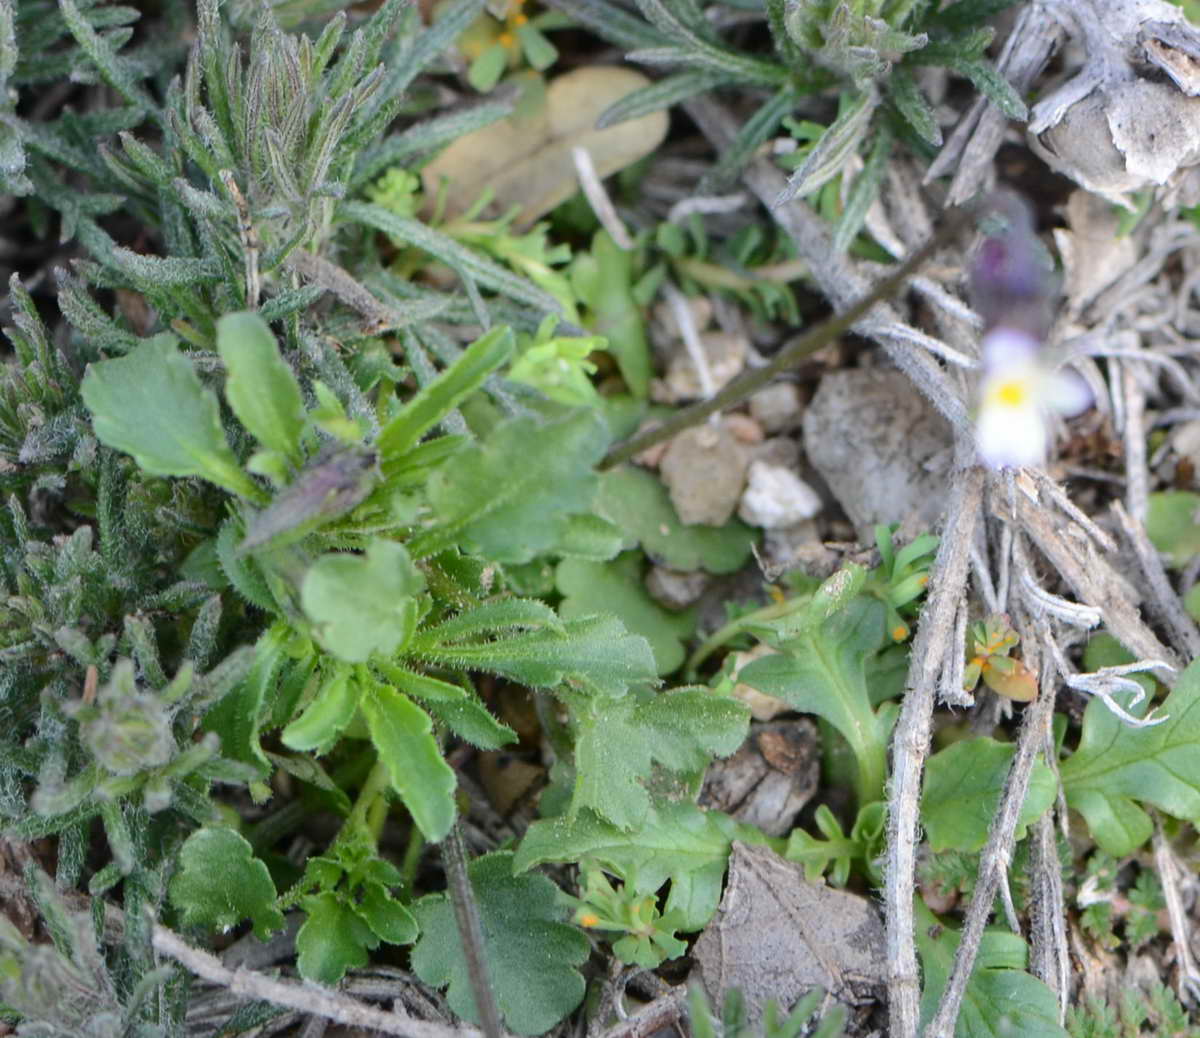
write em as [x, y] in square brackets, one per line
[910, 745]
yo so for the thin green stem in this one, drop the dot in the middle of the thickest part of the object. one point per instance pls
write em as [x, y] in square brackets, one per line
[735, 627]
[412, 857]
[755, 378]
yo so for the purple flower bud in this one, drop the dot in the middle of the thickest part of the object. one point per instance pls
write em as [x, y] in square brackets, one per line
[1012, 282]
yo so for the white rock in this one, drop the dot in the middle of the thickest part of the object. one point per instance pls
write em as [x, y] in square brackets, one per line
[776, 497]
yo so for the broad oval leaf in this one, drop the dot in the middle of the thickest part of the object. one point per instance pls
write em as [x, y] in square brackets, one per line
[963, 784]
[323, 720]
[363, 604]
[332, 940]
[152, 404]
[259, 385]
[532, 957]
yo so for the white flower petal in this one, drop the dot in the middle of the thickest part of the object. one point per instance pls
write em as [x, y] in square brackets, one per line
[1067, 393]
[1011, 436]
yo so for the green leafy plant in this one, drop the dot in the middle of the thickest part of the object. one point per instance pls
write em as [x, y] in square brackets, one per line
[649, 934]
[496, 45]
[963, 784]
[871, 49]
[1117, 765]
[1000, 995]
[827, 643]
[838, 852]
[1158, 1008]
[732, 1022]
[533, 958]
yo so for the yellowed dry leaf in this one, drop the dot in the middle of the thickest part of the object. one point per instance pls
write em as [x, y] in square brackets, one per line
[527, 162]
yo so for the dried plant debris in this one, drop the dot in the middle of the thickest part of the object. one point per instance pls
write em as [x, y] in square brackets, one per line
[1129, 117]
[776, 936]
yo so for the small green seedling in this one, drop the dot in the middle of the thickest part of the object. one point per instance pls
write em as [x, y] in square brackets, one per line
[649, 934]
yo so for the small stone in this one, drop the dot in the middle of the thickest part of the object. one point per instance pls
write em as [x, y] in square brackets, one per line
[873, 439]
[1185, 438]
[781, 451]
[663, 323]
[777, 407]
[776, 497]
[744, 428]
[675, 589]
[797, 547]
[704, 470]
[725, 353]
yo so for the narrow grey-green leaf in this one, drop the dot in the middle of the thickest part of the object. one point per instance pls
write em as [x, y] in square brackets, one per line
[998, 89]
[663, 93]
[910, 102]
[864, 191]
[828, 156]
[470, 265]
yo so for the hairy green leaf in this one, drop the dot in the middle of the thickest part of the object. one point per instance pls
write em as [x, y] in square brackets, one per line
[259, 386]
[617, 741]
[532, 957]
[363, 604]
[324, 719]
[403, 736]
[454, 706]
[822, 670]
[1001, 998]
[238, 717]
[511, 497]
[839, 141]
[151, 404]
[616, 587]
[594, 652]
[436, 399]
[963, 784]
[333, 939]
[677, 842]
[220, 883]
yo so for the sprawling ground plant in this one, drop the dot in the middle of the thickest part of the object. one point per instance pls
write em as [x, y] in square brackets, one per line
[309, 479]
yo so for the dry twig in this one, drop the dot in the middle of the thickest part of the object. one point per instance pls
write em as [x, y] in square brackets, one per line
[311, 999]
[1170, 875]
[910, 745]
[997, 854]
